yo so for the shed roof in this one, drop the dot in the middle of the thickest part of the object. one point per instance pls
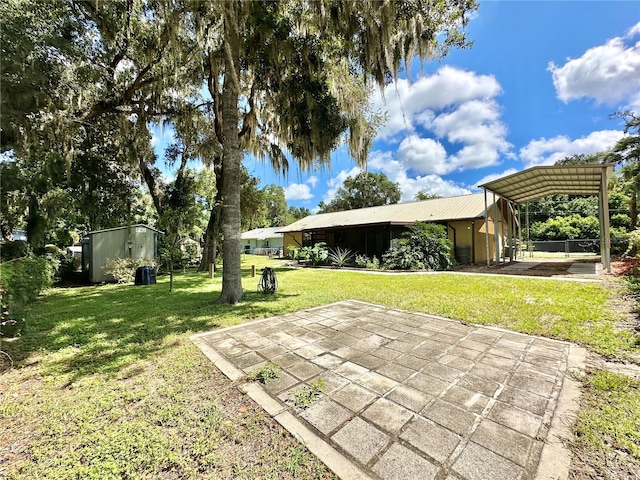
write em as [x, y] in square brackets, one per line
[262, 233]
[122, 228]
[462, 207]
[538, 182]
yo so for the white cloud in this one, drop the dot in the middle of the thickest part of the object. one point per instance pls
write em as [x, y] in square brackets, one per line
[548, 151]
[476, 124]
[407, 102]
[452, 104]
[494, 176]
[423, 155]
[609, 73]
[336, 182]
[312, 180]
[396, 171]
[298, 191]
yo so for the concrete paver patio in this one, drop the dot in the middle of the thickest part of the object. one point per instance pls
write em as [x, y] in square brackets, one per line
[408, 395]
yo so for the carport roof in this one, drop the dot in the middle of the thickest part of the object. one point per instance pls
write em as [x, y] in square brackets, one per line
[538, 182]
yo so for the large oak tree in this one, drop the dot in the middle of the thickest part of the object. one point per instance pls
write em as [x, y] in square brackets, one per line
[285, 79]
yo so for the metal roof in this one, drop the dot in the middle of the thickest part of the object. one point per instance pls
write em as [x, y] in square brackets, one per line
[538, 182]
[262, 233]
[462, 207]
[123, 227]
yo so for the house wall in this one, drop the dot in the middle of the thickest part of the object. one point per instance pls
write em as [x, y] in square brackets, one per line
[253, 243]
[291, 240]
[376, 240]
[461, 234]
[503, 232]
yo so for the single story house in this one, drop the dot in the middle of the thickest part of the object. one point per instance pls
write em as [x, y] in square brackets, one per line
[134, 241]
[263, 241]
[371, 231]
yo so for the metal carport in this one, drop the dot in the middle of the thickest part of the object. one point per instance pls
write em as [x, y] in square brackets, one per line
[537, 182]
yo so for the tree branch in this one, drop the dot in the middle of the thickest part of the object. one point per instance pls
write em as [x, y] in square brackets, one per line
[246, 121]
[214, 91]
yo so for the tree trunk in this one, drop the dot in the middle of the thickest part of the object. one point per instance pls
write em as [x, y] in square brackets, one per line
[633, 208]
[36, 227]
[212, 233]
[231, 160]
[171, 276]
[207, 249]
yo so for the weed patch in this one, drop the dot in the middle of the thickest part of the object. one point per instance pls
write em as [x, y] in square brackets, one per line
[305, 396]
[607, 434]
[268, 371]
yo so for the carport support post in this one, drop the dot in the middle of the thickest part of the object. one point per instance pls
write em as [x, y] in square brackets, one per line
[604, 212]
[486, 226]
[526, 217]
[519, 229]
[510, 230]
[496, 229]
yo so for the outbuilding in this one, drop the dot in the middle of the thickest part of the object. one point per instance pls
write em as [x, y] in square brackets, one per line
[131, 241]
[263, 241]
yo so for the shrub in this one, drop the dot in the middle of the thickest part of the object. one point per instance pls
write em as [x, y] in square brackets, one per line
[340, 257]
[317, 254]
[22, 280]
[619, 241]
[633, 248]
[7, 321]
[69, 265]
[566, 228]
[123, 270]
[14, 249]
[361, 261]
[297, 253]
[365, 262]
[424, 247]
[621, 220]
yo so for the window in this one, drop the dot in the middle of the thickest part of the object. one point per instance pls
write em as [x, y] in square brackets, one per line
[307, 239]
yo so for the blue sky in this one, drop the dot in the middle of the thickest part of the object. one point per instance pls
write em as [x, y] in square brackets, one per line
[538, 84]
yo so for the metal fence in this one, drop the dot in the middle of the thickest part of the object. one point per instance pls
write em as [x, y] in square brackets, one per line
[567, 248]
[267, 251]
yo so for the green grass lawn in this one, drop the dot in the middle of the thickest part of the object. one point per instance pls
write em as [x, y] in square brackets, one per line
[107, 385]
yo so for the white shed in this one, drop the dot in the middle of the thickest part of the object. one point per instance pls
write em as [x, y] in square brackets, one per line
[135, 241]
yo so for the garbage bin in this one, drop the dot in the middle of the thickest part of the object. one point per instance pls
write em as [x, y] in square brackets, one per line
[463, 254]
[145, 275]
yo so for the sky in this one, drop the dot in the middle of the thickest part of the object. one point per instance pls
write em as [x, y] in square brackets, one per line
[539, 84]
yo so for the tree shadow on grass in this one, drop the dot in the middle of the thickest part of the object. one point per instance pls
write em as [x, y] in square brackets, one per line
[104, 329]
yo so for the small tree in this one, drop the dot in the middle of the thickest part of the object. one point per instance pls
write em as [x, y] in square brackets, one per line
[423, 195]
[177, 219]
[424, 247]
